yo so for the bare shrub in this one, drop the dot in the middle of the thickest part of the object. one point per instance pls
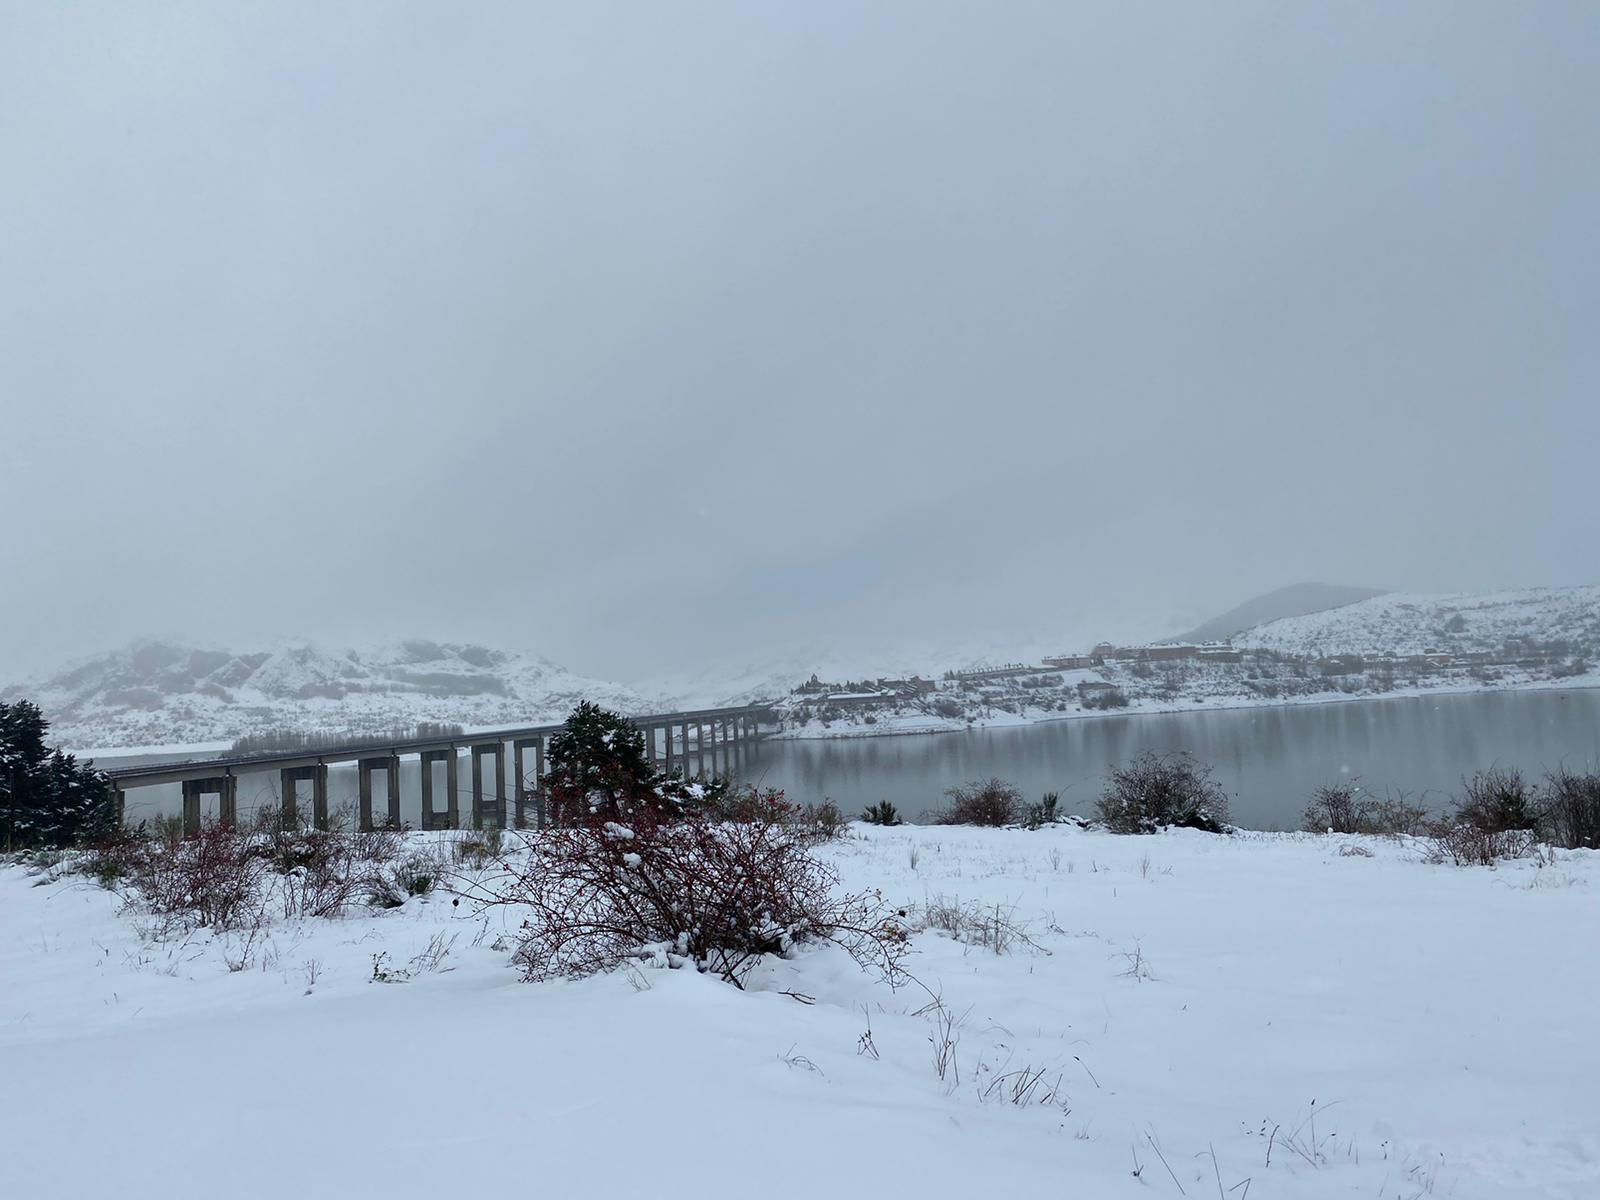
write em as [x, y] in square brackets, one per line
[1571, 809]
[224, 877]
[994, 803]
[1337, 808]
[822, 822]
[1463, 844]
[1348, 808]
[402, 875]
[1498, 801]
[329, 878]
[1158, 790]
[691, 891]
[112, 859]
[323, 872]
[212, 879]
[1496, 817]
[1396, 816]
[167, 829]
[744, 806]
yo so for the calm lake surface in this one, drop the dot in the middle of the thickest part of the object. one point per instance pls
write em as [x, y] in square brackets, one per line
[1268, 760]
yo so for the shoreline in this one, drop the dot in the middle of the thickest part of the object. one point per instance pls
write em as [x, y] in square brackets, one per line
[1178, 708]
[922, 726]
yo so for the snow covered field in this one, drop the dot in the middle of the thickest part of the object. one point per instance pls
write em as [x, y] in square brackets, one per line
[1373, 1026]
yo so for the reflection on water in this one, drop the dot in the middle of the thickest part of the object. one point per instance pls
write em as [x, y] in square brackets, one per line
[1267, 759]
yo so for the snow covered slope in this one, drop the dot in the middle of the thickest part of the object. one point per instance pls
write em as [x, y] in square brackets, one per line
[1462, 623]
[160, 693]
[1292, 1017]
[1295, 600]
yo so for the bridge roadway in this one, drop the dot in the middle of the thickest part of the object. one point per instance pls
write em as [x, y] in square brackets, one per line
[717, 732]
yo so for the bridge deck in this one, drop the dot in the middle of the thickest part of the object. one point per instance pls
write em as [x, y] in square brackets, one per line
[152, 774]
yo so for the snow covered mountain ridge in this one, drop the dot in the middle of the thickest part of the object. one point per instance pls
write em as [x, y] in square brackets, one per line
[1405, 623]
[157, 693]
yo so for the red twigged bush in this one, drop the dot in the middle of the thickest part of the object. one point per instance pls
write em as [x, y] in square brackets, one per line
[224, 878]
[686, 889]
[213, 879]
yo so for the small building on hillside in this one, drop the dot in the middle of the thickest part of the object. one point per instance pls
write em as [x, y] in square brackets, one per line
[1169, 652]
[1005, 672]
[1070, 662]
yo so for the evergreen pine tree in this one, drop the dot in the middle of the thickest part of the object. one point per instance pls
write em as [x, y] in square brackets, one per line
[47, 799]
[597, 767]
[599, 771]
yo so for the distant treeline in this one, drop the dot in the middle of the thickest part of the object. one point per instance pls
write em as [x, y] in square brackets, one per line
[273, 741]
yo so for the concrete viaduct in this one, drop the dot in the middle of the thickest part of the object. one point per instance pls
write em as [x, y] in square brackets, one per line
[711, 741]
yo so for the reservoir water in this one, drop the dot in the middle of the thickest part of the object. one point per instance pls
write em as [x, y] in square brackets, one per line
[1268, 760]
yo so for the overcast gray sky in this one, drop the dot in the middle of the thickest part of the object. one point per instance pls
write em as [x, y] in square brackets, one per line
[617, 331]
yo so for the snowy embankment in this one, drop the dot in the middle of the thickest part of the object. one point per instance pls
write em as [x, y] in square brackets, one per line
[1205, 1011]
[889, 724]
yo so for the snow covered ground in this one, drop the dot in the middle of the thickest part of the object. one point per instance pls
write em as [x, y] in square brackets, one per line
[1260, 1015]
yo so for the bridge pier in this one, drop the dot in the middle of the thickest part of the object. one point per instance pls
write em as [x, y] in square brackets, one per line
[450, 818]
[290, 778]
[366, 768]
[496, 808]
[224, 787]
[519, 746]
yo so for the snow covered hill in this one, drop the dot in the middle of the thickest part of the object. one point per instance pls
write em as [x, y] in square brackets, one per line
[1462, 623]
[1295, 600]
[157, 693]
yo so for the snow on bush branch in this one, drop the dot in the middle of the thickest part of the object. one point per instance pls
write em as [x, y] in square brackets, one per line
[686, 889]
